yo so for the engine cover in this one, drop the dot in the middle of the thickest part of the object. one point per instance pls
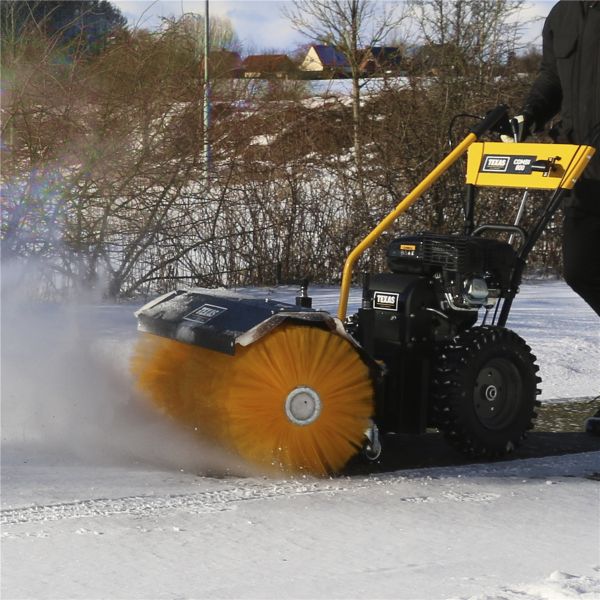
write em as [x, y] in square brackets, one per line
[426, 252]
[396, 311]
[397, 327]
[463, 265]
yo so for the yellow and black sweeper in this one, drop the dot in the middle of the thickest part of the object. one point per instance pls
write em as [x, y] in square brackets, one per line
[292, 388]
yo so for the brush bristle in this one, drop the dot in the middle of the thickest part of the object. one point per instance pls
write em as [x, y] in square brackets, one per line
[240, 400]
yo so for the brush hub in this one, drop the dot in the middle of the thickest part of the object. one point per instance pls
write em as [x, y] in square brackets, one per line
[303, 406]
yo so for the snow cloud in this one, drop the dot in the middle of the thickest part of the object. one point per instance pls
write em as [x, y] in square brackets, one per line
[66, 388]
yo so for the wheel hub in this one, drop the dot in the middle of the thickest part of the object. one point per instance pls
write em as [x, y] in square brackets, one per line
[303, 406]
[496, 392]
[491, 393]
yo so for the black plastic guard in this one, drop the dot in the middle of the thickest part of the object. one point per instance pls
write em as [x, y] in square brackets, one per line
[220, 319]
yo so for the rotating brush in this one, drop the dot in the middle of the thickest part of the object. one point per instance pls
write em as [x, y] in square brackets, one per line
[299, 399]
[182, 381]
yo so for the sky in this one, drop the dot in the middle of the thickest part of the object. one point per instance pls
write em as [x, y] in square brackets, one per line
[260, 24]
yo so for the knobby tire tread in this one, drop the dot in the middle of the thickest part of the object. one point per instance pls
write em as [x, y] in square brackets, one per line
[454, 368]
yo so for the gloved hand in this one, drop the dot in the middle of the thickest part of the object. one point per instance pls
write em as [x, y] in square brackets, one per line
[521, 128]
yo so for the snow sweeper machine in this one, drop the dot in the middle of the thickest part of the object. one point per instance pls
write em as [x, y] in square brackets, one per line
[290, 387]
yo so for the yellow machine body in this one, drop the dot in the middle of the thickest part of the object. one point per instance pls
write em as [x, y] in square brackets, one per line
[531, 166]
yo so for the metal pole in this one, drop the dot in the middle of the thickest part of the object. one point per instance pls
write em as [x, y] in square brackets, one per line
[520, 213]
[206, 92]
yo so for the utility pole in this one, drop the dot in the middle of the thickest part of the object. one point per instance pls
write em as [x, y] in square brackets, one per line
[206, 93]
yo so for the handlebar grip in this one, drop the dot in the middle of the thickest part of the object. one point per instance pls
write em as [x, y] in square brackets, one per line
[490, 120]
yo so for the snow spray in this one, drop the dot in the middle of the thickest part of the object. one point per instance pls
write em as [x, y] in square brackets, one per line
[66, 389]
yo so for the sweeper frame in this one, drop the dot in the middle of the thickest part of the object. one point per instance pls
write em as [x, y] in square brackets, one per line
[287, 386]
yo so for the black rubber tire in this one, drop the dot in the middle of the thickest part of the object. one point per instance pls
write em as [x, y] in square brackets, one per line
[484, 393]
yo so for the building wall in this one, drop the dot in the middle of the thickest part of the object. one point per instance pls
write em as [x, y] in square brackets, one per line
[312, 62]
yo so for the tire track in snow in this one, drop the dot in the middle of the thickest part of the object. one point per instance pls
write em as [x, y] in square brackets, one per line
[571, 465]
[197, 502]
[211, 501]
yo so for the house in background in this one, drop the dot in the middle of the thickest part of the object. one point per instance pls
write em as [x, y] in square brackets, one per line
[268, 66]
[325, 61]
[320, 62]
[381, 60]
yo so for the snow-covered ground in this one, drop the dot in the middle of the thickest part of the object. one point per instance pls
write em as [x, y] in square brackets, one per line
[341, 89]
[103, 499]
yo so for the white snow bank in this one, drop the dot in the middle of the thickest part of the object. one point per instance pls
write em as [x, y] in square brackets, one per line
[564, 334]
[558, 586]
[369, 86]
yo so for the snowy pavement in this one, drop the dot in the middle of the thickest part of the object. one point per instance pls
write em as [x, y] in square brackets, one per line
[526, 527]
[102, 499]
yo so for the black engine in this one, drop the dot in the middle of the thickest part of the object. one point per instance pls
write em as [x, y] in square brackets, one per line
[470, 272]
[435, 289]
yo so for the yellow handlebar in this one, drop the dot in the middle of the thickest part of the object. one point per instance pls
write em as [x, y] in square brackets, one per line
[412, 197]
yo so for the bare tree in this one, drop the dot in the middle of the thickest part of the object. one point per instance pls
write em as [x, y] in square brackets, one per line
[476, 37]
[349, 26]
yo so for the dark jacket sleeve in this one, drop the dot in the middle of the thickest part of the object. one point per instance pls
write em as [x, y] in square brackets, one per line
[545, 96]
